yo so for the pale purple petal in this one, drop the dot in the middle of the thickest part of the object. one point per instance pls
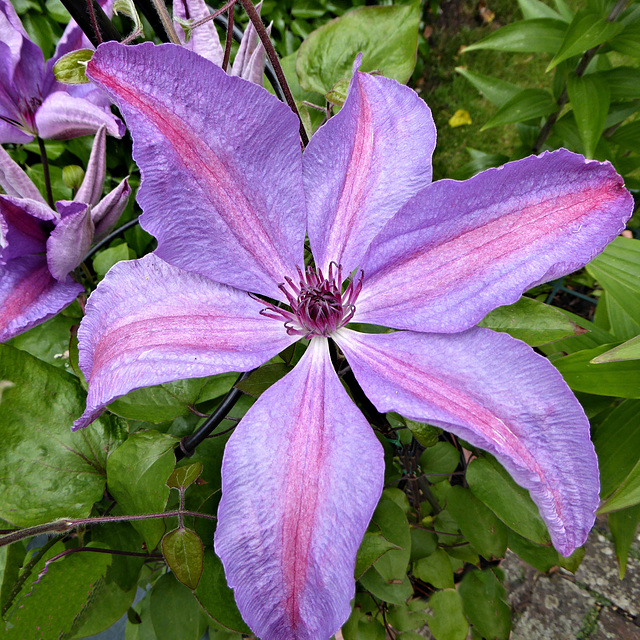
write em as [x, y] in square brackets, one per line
[29, 295]
[460, 249]
[15, 181]
[205, 40]
[108, 211]
[219, 204]
[21, 233]
[90, 190]
[70, 240]
[301, 476]
[149, 322]
[363, 165]
[62, 116]
[249, 61]
[498, 394]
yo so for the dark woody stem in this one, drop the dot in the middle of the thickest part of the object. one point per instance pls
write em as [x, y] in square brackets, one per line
[45, 170]
[94, 21]
[227, 44]
[80, 13]
[167, 23]
[275, 61]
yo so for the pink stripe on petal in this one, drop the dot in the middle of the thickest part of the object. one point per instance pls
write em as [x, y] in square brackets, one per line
[301, 477]
[29, 295]
[459, 249]
[497, 394]
[363, 165]
[208, 186]
[149, 322]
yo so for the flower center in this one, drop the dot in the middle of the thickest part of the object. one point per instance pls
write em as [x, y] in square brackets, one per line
[318, 305]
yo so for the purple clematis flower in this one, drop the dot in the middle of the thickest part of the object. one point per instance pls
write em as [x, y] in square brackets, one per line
[39, 247]
[230, 198]
[250, 58]
[32, 102]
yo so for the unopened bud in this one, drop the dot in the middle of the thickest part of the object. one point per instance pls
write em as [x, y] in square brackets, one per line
[72, 176]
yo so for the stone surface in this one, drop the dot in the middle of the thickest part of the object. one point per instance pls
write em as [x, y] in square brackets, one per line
[614, 626]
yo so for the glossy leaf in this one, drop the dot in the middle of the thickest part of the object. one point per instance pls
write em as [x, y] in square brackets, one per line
[587, 30]
[495, 90]
[392, 521]
[491, 484]
[216, 598]
[484, 604]
[174, 611]
[261, 379]
[478, 523]
[184, 476]
[408, 617]
[629, 350]
[76, 577]
[137, 474]
[627, 41]
[623, 525]
[527, 105]
[397, 591]
[590, 98]
[435, 569]
[184, 552]
[442, 459]
[386, 36]
[543, 558]
[621, 379]
[623, 82]
[448, 621]
[374, 545]
[540, 35]
[532, 322]
[423, 543]
[425, 434]
[105, 259]
[46, 471]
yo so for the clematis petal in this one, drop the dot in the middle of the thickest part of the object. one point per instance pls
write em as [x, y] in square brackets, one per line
[107, 212]
[363, 165]
[205, 40]
[460, 249]
[90, 190]
[208, 187]
[15, 181]
[301, 476]
[250, 59]
[24, 227]
[149, 322]
[11, 134]
[62, 116]
[498, 394]
[70, 240]
[29, 295]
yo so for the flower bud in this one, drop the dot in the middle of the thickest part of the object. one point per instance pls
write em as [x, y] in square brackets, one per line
[72, 176]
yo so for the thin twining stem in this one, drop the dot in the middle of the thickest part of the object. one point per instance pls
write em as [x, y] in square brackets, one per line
[213, 16]
[62, 526]
[275, 61]
[579, 71]
[167, 23]
[94, 22]
[227, 44]
[45, 170]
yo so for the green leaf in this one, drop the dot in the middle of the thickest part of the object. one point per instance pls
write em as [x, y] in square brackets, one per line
[425, 434]
[392, 522]
[629, 350]
[442, 459]
[174, 611]
[540, 35]
[124, 570]
[40, 31]
[12, 558]
[50, 609]
[587, 30]
[448, 621]
[58, 188]
[397, 591]
[623, 525]
[374, 545]
[46, 470]
[496, 91]
[479, 525]
[386, 36]
[108, 257]
[261, 379]
[537, 9]
[627, 41]
[623, 82]
[216, 598]
[590, 99]
[184, 552]
[137, 474]
[435, 569]
[406, 617]
[56, 10]
[543, 558]
[621, 379]
[527, 105]
[594, 336]
[532, 322]
[70, 68]
[423, 543]
[490, 483]
[484, 605]
[360, 626]
[184, 476]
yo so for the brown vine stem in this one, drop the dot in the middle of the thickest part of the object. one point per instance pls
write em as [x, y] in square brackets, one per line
[62, 526]
[165, 18]
[580, 69]
[227, 44]
[275, 61]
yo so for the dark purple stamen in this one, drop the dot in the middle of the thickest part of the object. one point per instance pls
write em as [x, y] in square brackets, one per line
[318, 305]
